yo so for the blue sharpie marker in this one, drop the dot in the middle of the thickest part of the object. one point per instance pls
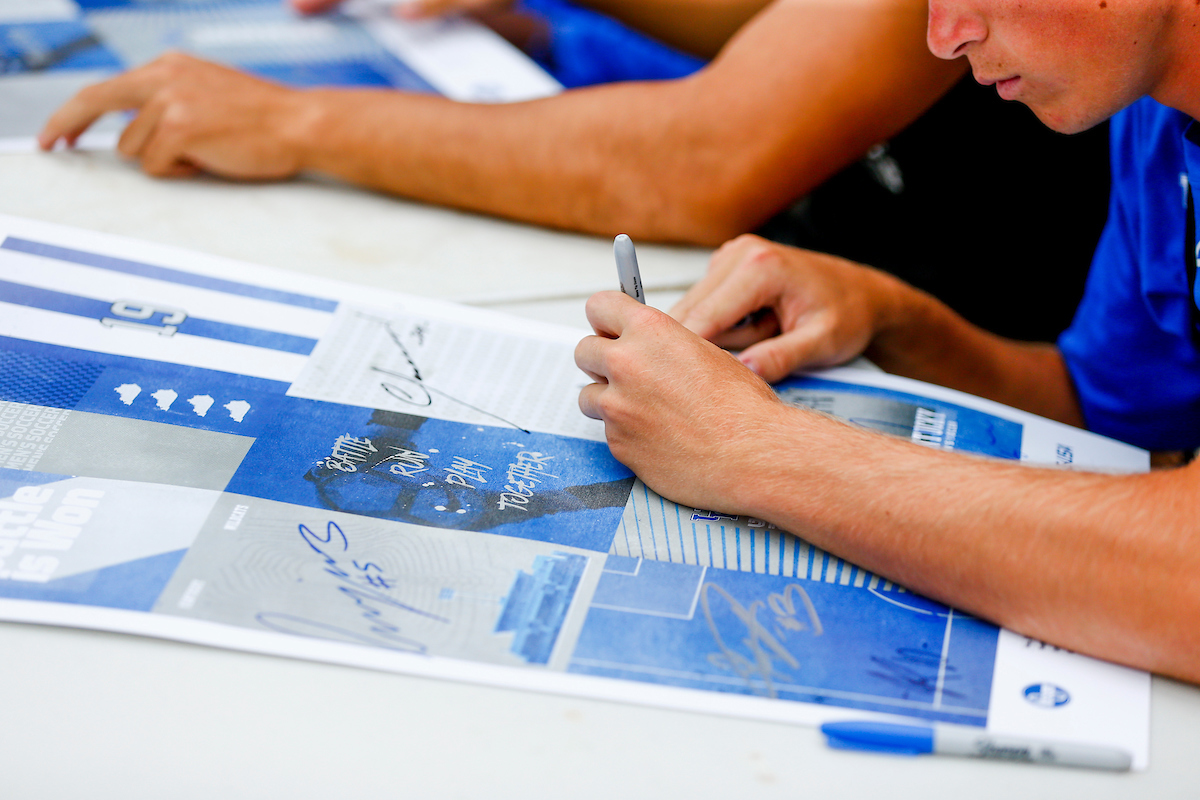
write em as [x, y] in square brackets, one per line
[962, 740]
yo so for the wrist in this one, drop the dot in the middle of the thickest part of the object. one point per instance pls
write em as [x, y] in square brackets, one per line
[307, 122]
[823, 478]
[782, 462]
[903, 320]
[897, 306]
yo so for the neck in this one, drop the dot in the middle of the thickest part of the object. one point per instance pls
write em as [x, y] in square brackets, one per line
[1178, 85]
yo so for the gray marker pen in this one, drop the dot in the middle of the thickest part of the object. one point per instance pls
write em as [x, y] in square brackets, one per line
[627, 268]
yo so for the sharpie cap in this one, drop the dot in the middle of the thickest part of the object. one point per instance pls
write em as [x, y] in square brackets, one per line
[877, 737]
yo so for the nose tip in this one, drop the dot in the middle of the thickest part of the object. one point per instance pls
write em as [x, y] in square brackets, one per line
[950, 32]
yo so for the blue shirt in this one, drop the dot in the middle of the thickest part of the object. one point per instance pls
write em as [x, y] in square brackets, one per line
[1132, 347]
[587, 48]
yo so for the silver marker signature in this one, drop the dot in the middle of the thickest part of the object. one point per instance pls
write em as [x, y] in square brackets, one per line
[764, 645]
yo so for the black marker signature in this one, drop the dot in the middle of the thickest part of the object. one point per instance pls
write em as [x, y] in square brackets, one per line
[360, 584]
[299, 626]
[354, 590]
[915, 669]
[413, 389]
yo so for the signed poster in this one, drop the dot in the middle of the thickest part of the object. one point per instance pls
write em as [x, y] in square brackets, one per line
[208, 451]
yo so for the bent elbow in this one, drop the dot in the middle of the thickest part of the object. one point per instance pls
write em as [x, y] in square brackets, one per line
[712, 214]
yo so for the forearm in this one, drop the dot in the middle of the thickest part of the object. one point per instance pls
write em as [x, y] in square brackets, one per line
[919, 337]
[697, 26]
[566, 162]
[696, 160]
[1106, 565]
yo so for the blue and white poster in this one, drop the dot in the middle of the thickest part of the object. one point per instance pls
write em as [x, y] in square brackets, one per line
[217, 455]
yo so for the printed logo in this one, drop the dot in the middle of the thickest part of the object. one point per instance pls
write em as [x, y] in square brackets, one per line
[1047, 695]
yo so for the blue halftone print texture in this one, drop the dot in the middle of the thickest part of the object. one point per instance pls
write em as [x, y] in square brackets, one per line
[40, 381]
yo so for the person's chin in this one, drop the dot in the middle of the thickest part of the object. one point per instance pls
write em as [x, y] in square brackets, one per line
[1065, 120]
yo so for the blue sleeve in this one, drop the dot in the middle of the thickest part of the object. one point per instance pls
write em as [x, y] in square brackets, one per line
[587, 48]
[1130, 349]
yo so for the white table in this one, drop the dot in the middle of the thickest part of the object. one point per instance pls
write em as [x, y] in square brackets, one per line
[97, 715]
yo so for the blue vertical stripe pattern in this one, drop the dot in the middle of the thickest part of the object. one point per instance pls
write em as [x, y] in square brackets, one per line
[768, 548]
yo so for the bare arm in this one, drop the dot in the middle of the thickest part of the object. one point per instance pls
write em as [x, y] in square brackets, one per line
[920, 337]
[1106, 565]
[805, 89]
[1116, 556]
[800, 92]
[697, 26]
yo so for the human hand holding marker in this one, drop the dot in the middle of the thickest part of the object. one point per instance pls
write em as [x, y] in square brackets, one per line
[652, 388]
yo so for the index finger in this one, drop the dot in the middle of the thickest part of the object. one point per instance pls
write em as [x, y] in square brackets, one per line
[728, 302]
[128, 91]
[734, 256]
[722, 260]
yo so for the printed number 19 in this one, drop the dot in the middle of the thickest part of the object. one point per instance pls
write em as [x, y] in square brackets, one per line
[145, 317]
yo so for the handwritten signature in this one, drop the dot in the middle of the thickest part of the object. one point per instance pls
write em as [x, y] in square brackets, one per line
[364, 584]
[915, 669]
[411, 388]
[763, 644]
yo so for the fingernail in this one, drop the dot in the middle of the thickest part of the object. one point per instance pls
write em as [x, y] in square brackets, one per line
[750, 365]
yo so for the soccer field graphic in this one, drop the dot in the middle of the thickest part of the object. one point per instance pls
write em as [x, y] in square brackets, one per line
[877, 648]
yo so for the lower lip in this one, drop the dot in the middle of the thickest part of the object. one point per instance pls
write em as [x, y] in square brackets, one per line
[1008, 88]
